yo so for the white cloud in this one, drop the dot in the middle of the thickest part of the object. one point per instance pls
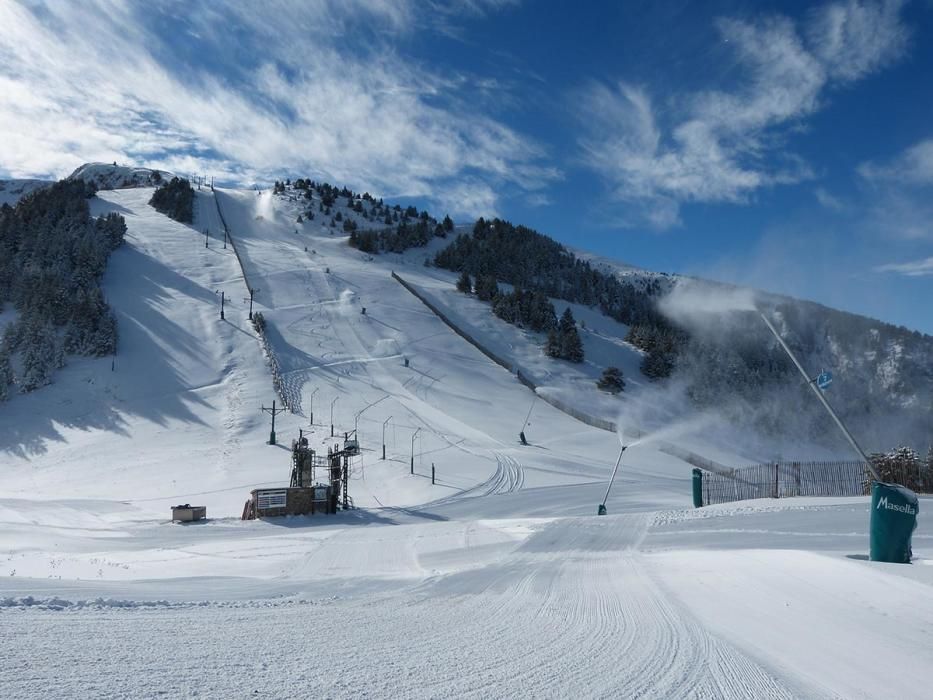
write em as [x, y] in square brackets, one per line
[537, 199]
[853, 39]
[912, 167]
[722, 146]
[918, 268]
[828, 200]
[464, 198]
[901, 193]
[250, 95]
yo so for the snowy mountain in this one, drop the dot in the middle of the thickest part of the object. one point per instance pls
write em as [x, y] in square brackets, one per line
[108, 176]
[471, 565]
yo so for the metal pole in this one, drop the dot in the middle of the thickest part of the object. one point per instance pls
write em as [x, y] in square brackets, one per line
[384, 436]
[311, 402]
[417, 430]
[356, 418]
[613, 477]
[221, 306]
[822, 399]
[250, 303]
[332, 415]
[272, 434]
[432, 473]
[206, 235]
[524, 425]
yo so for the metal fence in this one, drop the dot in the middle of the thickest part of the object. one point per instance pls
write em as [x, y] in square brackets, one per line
[786, 479]
[783, 479]
[278, 382]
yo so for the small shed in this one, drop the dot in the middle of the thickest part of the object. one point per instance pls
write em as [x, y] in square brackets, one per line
[187, 513]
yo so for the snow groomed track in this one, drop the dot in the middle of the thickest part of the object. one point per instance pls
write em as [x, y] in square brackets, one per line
[573, 611]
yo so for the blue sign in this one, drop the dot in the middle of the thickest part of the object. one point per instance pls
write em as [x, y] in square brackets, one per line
[824, 380]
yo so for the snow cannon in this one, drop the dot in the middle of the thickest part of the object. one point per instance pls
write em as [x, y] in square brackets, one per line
[602, 506]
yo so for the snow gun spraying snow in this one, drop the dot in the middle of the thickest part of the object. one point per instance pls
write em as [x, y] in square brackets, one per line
[602, 506]
[893, 507]
[819, 395]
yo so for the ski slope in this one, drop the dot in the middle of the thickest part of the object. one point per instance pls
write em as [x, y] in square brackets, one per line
[497, 581]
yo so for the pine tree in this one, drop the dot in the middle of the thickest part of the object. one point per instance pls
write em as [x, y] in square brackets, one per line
[448, 223]
[657, 365]
[571, 345]
[505, 306]
[464, 284]
[901, 466]
[552, 347]
[6, 375]
[175, 199]
[41, 356]
[486, 287]
[541, 315]
[611, 380]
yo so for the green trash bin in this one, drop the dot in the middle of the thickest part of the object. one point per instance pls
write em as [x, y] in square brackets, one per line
[697, 488]
[893, 521]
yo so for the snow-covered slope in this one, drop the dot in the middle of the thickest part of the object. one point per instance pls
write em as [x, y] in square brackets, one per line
[11, 191]
[498, 580]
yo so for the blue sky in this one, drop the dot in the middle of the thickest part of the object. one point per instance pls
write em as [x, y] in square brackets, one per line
[787, 146]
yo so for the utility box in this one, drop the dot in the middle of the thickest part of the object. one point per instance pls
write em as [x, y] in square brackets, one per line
[188, 513]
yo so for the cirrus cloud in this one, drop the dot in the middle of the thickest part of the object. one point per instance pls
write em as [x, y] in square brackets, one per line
[724, 145]
[917, 268]
[249, 96]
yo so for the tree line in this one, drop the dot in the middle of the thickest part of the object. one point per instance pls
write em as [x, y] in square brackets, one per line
[52, 256]
[392, 228]
[175, 199]
[529, 309]
[499, 251]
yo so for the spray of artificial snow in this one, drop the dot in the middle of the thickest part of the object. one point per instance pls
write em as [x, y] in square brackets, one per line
[690, 301]
[264, 206]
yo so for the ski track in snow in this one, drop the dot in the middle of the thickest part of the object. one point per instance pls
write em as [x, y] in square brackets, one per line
[573, 611]
[508, 477]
